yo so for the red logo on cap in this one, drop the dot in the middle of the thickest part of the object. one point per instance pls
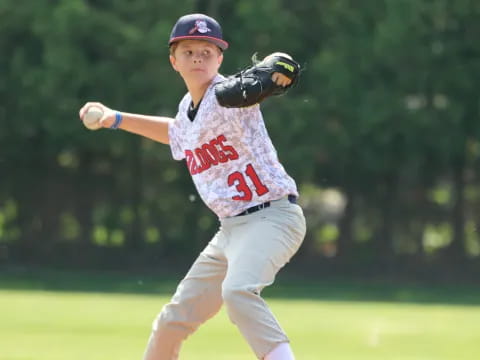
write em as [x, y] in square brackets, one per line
[200, 26]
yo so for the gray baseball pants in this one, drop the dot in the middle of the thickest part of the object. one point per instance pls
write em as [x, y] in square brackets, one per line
[242, 258]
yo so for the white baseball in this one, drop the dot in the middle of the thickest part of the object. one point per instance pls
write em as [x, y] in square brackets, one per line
[92, 117]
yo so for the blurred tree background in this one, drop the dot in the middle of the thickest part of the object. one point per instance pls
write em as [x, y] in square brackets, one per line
[382, 133]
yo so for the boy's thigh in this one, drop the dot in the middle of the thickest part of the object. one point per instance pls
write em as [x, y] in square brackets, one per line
[263, 244]
[200, 289]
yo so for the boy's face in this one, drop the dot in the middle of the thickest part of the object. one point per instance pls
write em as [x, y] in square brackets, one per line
[197, 61]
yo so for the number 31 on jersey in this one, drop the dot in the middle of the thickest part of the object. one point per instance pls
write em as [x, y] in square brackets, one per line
[238, 180]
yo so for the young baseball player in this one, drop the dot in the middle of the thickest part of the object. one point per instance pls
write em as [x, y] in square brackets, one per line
[237, 173]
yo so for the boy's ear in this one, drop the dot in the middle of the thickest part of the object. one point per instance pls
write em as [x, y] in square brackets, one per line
[173, 62]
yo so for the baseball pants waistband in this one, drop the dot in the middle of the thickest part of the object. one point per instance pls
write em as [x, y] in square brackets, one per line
[250, 210]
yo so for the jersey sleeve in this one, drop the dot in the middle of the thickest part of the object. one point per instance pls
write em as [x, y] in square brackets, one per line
[173, 139]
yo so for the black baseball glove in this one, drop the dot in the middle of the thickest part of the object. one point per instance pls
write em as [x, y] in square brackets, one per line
[254, 84]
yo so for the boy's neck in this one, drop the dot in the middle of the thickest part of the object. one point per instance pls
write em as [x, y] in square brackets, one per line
[197, 91]
[197, 96]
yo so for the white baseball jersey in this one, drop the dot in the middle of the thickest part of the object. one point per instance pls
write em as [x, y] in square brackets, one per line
[229, 154]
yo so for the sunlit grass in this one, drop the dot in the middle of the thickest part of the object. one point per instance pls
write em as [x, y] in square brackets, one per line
[41, 325]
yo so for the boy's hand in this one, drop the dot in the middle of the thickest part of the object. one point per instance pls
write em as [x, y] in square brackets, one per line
[106, 120]
[280, 79]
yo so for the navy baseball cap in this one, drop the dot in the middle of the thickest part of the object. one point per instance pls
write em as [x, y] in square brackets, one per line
[198, 27]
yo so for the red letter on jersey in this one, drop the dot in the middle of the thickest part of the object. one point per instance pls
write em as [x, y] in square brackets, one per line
[227, 149]
[203, 157]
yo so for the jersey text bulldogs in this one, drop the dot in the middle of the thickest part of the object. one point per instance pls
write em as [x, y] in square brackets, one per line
[209, 154]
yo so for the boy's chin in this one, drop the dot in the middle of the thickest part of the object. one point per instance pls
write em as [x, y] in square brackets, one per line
[198, 78]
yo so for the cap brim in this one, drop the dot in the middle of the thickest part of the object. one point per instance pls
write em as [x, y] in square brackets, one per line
[220, 43]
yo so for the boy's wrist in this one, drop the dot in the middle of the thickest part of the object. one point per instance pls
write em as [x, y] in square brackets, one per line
[117, 121]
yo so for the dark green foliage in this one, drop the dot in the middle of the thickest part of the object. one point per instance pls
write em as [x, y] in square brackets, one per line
[386, 112]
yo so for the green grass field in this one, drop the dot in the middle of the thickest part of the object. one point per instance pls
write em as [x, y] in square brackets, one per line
[66, 318]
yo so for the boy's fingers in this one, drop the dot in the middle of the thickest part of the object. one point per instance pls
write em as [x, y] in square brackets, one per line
[281, 79]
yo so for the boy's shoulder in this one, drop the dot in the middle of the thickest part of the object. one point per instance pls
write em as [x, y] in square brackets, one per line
[218, 78]
[186, 99]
